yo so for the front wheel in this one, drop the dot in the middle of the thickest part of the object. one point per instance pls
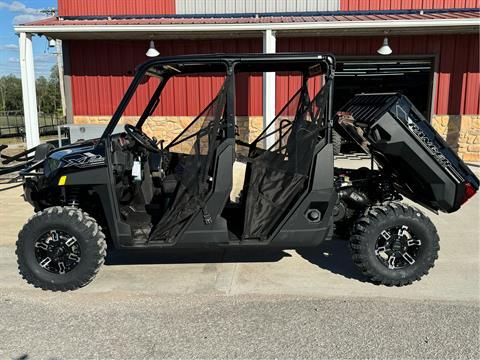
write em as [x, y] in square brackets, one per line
[60, 249]
[394, 244]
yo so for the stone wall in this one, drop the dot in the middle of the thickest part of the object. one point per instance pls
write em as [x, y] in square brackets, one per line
[168, 127]
[462, 133]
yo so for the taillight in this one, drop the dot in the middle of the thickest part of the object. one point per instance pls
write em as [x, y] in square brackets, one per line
[469, 192]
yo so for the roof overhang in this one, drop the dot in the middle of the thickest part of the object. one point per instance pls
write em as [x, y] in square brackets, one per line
[289, 29]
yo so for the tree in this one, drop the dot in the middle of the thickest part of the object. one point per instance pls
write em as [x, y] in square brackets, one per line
[43, 96]
[54, 86]
[48, 93]
[10, 93]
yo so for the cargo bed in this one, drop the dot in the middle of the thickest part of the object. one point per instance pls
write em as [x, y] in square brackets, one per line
[406, 146]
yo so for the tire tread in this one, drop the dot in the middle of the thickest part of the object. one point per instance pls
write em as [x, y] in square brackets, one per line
[78, 218]
[375, 215]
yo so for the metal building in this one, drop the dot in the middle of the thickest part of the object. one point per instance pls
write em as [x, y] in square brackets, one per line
[434, 59]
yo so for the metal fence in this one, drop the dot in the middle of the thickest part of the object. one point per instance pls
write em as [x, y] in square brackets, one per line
[12, 124]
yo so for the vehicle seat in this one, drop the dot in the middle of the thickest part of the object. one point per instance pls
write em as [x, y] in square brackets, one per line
[169, 184]
[300, 146]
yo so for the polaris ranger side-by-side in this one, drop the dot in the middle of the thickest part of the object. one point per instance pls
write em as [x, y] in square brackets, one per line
[136, 192]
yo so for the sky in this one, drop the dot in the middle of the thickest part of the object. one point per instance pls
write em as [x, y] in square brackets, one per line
[18, 12]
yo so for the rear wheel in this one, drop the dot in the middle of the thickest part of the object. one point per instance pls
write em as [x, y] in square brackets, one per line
[394, 244]
[60, 249]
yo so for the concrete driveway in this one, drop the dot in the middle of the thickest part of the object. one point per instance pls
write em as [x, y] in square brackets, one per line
[245, 304]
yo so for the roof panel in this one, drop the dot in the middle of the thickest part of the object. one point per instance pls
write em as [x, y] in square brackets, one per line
[259, 19]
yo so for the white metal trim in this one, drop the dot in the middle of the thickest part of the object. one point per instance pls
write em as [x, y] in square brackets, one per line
[253, 6]
[388, 24]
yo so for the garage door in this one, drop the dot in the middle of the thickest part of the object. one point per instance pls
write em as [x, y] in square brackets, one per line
[412, 77]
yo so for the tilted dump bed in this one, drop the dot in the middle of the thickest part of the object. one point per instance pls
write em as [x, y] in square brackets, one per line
[406, 146]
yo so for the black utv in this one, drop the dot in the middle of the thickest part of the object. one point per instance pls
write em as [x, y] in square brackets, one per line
[132, 191]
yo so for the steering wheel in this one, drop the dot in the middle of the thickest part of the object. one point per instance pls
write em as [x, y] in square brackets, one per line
[140, 138]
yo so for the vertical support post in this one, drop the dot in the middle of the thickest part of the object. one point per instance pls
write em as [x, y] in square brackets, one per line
[67, 80]
[269, 46]
[58, 49]
[29, 92]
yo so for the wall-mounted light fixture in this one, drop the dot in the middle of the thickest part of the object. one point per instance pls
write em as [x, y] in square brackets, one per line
[385, 49]
[152, 52]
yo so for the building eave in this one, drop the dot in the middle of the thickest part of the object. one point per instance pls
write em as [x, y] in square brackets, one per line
[283, 29]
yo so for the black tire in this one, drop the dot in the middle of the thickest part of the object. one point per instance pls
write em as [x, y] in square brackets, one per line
[372, 228]
[337, 143]
[89, 243]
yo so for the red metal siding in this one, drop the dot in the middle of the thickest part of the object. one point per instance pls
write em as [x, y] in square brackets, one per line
[115, 7]
[353, 5]
[102, 71]
[458, 80]
[153, 7]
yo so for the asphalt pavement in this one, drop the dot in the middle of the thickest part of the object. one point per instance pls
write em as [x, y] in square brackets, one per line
[216, 304]
[206, 326]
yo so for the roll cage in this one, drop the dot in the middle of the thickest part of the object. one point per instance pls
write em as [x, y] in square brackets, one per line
[309, 64]
[184, 198]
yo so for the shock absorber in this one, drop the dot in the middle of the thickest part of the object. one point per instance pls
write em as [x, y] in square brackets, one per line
[72, 196]
[386, 191]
